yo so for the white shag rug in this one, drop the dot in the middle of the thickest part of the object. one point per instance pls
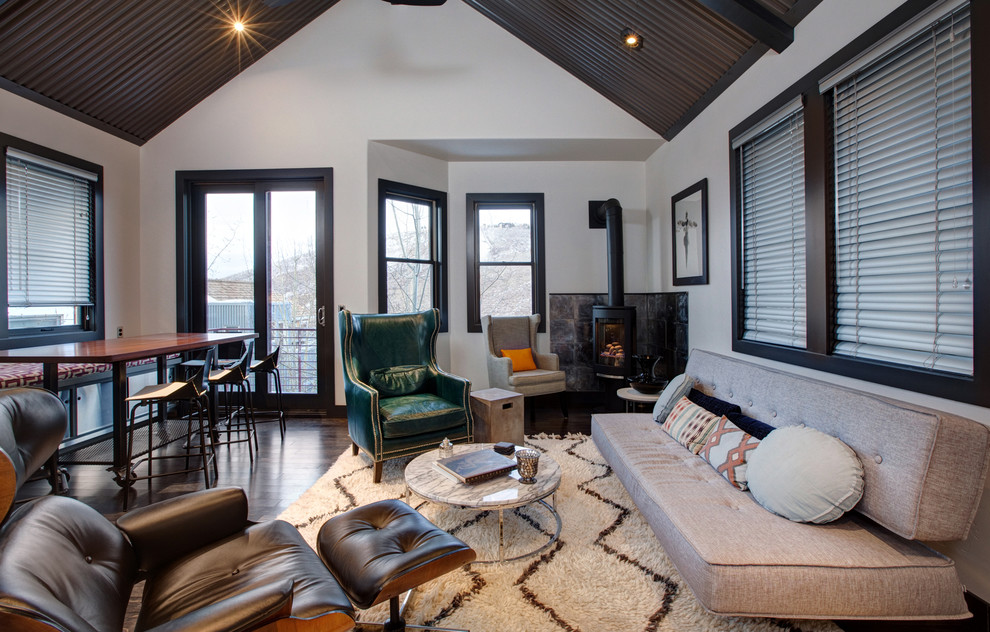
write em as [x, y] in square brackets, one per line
[606, 572]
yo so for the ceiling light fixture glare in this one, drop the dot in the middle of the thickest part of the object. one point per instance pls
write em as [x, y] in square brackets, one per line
[632, 39]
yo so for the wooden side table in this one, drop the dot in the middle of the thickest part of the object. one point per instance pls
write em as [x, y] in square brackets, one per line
[632, 397]
[498, 416]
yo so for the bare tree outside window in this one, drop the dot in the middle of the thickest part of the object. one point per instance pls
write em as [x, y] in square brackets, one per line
[291, 277]
[230, 261]
[408, 255]
[505, 244]
[412, 249]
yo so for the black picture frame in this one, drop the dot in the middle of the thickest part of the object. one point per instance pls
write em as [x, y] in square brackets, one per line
[689, 235]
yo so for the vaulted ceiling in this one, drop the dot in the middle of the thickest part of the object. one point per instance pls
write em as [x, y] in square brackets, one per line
[98, 60]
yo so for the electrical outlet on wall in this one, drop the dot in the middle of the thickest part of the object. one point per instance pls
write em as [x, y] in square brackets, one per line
[120, 332]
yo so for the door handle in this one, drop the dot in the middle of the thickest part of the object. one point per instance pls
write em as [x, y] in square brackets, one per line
[321, 316]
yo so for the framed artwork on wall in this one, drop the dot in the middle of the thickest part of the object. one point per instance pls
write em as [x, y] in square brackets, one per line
[689, 227]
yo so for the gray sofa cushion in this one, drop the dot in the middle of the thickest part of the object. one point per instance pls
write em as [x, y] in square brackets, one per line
[924, 469]
[740, 559]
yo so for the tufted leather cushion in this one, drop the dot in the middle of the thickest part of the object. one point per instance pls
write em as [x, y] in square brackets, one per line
[32, 423]
[380, 550]
[162, 532]
[261, 555]
[418, 414]
[62, 558]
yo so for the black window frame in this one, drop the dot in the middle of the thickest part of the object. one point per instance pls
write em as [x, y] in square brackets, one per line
[438, 247]
[93, 321]
[538, 244]
[819, 205]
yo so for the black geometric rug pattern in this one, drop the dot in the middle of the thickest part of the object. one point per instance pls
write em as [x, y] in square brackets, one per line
[605, 572]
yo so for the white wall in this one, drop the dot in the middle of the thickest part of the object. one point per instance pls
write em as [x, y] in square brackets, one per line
[701, 150]
[575, 253]
[120, 159]
[399, 165]
[365, 71]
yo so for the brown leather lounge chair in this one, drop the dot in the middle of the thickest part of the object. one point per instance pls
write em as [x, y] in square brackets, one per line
[63, 566]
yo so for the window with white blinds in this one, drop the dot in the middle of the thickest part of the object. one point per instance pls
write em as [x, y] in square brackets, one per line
[771, 171]
[50, 240]
[904, 202]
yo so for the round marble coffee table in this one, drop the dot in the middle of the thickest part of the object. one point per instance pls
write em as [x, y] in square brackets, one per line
[427, 481]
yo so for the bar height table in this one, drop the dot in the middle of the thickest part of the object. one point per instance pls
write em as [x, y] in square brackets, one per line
[117, 352]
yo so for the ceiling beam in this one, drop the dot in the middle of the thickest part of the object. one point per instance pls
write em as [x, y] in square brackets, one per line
[754, 19]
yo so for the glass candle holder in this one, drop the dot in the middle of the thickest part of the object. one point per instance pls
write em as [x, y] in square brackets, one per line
[528, 464]
[446, 448]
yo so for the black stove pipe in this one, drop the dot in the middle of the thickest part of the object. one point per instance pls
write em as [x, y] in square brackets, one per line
[612, 211]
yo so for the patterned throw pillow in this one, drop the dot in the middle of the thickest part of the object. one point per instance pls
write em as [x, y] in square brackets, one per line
[690, 424]
[727, 450]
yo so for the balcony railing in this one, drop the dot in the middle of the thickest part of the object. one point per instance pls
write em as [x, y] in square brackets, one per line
[297, 359]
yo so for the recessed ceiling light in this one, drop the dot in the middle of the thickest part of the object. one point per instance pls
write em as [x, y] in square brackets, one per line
[632, 39]
[238, 26]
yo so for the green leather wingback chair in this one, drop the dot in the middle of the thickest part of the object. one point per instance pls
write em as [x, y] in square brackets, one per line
[399, 402]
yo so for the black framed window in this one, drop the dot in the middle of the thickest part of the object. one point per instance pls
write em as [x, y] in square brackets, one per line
[53, 246]
[506, 256]
[412, 249]
[893, 129]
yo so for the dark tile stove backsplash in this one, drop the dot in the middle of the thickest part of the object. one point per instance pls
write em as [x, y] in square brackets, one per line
[661, 328]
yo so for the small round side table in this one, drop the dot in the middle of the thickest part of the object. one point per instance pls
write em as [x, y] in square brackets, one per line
[632, 397]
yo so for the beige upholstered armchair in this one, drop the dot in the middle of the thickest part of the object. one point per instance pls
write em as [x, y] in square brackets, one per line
[519, 332]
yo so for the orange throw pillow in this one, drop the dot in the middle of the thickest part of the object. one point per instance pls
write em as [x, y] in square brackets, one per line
[522, 359]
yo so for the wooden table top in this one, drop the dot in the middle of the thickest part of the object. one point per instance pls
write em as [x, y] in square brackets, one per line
[121, 349]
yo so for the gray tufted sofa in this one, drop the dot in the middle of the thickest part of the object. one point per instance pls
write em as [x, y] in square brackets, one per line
[924, 473]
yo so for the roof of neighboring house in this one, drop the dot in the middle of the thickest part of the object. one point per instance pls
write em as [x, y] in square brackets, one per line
[226, 290]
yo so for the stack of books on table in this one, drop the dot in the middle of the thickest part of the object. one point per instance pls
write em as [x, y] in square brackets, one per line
[477, 466]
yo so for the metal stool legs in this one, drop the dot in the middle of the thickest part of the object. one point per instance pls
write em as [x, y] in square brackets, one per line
[269, 366]
[236, 375]
[237, 417]
[155, 429]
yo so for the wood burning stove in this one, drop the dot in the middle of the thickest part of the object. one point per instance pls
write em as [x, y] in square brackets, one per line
[615, 339]
[614, 325]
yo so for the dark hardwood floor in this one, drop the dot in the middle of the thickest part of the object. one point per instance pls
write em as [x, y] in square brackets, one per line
[282, 470]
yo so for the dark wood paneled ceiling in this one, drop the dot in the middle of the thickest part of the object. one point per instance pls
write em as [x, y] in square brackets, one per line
[132, 67]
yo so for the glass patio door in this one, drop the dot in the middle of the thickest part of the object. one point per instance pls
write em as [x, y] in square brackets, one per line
[264, 269]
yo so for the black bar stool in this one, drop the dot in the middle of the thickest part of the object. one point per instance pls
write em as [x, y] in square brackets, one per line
[238, 418]
[269, 366]
[193, 390]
